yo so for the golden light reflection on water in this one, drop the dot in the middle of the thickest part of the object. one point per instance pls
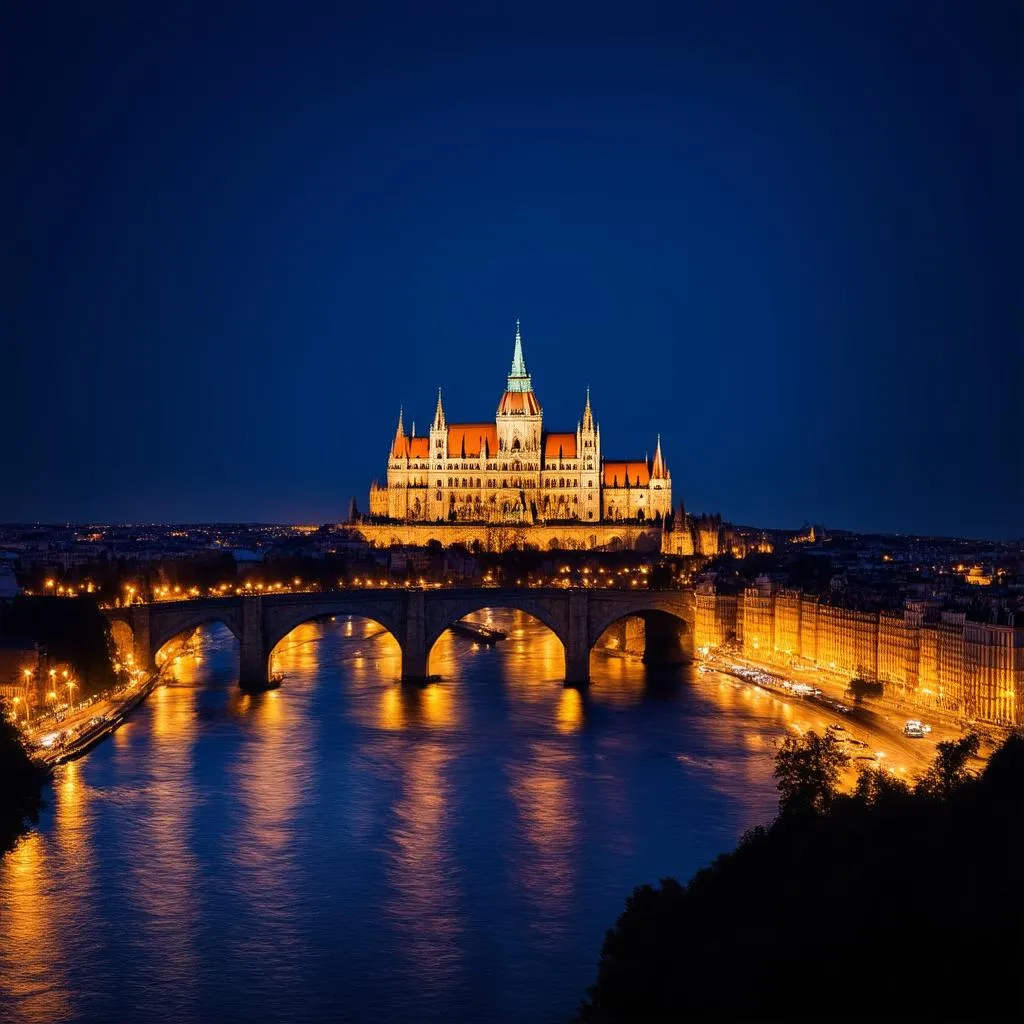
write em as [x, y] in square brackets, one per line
[569, 716]
[73, 831]
[416, 707]
[541, 789]
[163, 883]
[424, 900]
[616, 680]
[272, 776]
[31, 982]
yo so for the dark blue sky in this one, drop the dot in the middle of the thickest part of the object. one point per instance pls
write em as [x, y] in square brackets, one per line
[788, 236]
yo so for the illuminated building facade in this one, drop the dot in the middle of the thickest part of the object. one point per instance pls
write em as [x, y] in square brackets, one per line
[933, 657]
[513, 471]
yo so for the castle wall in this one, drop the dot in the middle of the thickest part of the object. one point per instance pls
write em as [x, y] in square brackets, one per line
[500, 537]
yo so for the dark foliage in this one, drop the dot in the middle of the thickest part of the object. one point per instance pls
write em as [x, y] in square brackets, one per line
[861, 688]
[888, 905]
[21, 781]
[808, 770]
[810, 574]
[71, 629]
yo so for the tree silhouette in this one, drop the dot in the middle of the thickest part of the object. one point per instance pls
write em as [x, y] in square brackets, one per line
[808, 769]
[21, 789]
[770, 931]
[948, 772]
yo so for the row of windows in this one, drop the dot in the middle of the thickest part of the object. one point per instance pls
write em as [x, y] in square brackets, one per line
[467, 482]
[571, 465]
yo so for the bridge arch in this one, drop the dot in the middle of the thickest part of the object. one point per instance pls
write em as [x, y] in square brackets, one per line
[282, 629]
[442, 616]
[163, 632]
[164, 628]
[668, 630]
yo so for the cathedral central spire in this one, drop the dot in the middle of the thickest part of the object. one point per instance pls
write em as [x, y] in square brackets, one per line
[518, 378]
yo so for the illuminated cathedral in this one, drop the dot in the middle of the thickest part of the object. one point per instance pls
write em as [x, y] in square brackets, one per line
[512, 470]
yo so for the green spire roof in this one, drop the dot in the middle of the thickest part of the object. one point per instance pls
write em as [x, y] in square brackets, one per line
[518, 378]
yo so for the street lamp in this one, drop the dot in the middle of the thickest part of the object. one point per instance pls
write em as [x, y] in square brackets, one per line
[71, 686]
[17, 701]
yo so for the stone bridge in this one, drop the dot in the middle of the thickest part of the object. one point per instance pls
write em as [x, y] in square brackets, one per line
[416, 618]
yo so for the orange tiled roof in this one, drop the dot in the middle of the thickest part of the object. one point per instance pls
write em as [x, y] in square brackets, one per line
[560, 445]
[466, 439]
[519, 403]
[616, 474]
[413, 447]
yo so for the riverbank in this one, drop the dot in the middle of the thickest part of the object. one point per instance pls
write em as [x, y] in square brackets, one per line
[837, 685]
[71, 742]
[831, 695]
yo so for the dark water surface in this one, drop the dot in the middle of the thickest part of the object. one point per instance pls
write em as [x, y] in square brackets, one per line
[348, 849]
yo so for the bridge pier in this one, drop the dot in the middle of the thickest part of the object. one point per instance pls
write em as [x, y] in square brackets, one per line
[577, 644]
[414, 646]
[142, 647]
[254, 658]
[577, 668]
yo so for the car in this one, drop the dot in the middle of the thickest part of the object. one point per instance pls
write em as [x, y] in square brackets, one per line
[914, 729]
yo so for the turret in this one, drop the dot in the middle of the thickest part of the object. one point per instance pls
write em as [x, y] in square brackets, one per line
[659, 471]
[439, 432]
[439, 422]
[398, 447]
[588, 415]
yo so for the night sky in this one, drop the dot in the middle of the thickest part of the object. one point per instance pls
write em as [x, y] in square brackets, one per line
[788, 236]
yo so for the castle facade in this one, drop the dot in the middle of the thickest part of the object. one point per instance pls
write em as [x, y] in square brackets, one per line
[514, 472]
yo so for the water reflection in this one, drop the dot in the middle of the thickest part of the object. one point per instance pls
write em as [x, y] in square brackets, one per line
[547, 868]
[423, 902]
[271, 780]
[160, 887]
[32, 984]
[417, 707]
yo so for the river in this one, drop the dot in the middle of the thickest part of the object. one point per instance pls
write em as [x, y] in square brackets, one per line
[345, 848]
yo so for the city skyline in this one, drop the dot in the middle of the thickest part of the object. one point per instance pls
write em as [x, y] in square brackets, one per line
[237, 250]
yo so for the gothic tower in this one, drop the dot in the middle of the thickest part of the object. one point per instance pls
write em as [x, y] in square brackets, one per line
[438, 453]
[519, 413]
[588, 449]
[518, 423]
[661, 485]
